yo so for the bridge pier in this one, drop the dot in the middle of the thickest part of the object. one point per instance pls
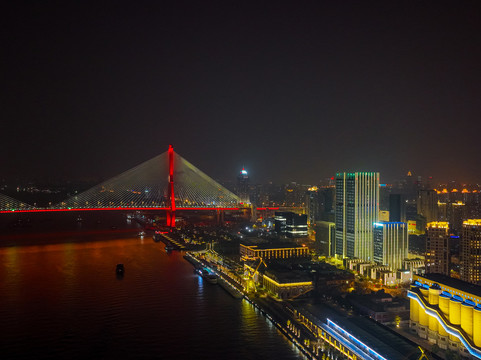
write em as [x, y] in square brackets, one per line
[220, 216]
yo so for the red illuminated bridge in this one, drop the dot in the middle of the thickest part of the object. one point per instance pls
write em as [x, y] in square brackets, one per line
[166, 182]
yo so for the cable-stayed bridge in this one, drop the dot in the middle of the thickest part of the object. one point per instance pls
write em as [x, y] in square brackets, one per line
[166, 182]
[8, 204]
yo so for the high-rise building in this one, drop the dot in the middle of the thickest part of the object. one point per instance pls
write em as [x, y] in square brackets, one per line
[428, 205]
[471, 251]
[328, 199]
[242, 186]
[325, 238]
[456, 216]
[357, 209]
[437, 248]
[390, 244]
[396, 208]
[312, 205]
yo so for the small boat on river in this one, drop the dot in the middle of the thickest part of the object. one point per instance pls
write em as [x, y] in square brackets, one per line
[208, 276]
[120, 269]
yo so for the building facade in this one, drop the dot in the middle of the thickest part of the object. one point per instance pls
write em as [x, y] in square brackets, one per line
[267, 252]
[428, 205]
[357, 209]
[325, 238]
[471, 251]
[291, 224]
[390, 244]
[437, 248]
[447, 312]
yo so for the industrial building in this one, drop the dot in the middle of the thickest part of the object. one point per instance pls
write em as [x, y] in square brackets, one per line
[447, 312]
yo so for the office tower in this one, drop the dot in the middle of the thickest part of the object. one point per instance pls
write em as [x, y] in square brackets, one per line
[471, 251]
[357, 209]
[442, 211]
[396, 208]
[327, 205]
[428, 205]
[456, 216]
[437, 248]
[390, 244]
[312, 205]
[325, 238]
[242, 186]
[290, 224]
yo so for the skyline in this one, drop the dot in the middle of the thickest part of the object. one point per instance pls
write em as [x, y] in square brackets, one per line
[291, 93]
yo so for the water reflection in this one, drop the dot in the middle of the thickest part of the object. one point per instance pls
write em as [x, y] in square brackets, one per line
[65, 300]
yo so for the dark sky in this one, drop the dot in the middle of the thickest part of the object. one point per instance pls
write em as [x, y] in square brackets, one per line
[293, 91]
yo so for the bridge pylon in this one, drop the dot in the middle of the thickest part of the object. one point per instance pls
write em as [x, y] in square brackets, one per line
[171, 210]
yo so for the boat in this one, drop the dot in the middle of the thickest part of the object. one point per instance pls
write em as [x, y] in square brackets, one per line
[120, 269]
[142, 233]
[169, 248]
[209, 277]
[79, 218]
[234, 292]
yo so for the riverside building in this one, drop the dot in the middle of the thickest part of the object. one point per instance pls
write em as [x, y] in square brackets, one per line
[447, 312]
[269, 251]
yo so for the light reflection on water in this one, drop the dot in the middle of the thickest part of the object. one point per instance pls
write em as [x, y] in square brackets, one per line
[65, 301]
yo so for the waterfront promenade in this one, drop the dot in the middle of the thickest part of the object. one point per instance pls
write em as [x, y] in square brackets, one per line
[319, 330]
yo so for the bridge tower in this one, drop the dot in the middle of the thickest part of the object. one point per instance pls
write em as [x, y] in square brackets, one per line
[171, 196]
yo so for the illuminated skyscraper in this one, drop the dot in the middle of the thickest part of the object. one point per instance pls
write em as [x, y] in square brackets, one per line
[242, 186]
[357, 209]
[390, 244]
[428, 205]
[437, 248]
[471, 251]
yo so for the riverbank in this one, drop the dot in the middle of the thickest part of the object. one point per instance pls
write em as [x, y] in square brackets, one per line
[269, 308]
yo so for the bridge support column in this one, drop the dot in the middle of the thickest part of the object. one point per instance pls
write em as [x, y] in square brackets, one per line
[220, 216]
[171, 212]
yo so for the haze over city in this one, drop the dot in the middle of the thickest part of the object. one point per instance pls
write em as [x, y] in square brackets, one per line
[240, 180]
[292, 92]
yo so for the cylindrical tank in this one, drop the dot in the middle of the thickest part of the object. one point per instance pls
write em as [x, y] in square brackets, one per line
[455, 314]
[425, 292]
[433, 294]
[467, 317]
[414, 310]
[477, 325]
[444, 303]
[444, 307]
[423, 317]
[433, 323]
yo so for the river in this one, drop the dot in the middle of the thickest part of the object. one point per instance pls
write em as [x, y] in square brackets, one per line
[61, 299]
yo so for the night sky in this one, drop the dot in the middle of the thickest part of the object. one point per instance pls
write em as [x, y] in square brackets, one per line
[293, 91]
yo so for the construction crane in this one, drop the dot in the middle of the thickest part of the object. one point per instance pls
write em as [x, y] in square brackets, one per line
[261, 261]
[251, 281]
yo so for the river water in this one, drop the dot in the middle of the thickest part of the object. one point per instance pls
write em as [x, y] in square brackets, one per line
[61, 299]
